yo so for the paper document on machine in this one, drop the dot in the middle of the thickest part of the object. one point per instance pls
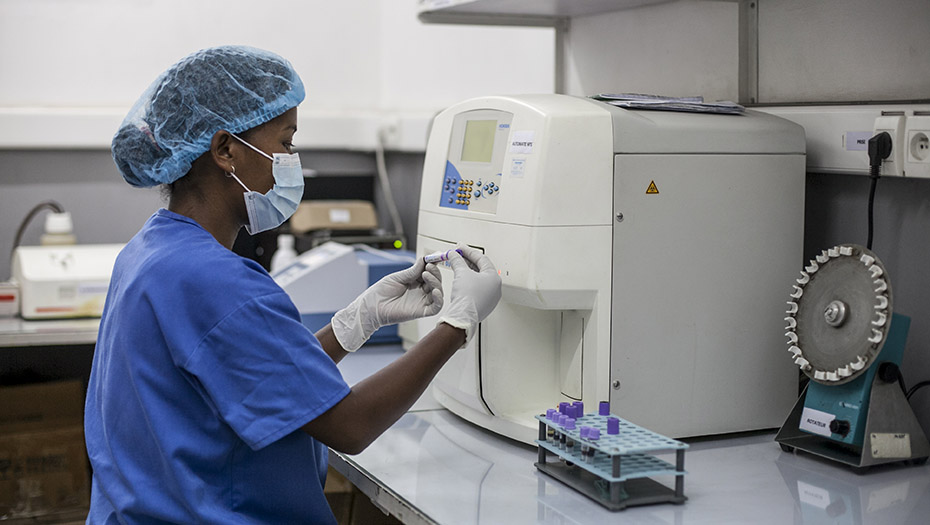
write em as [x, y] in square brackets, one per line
[659, 102]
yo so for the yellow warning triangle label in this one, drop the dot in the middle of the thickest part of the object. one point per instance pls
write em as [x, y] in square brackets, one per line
[652, 189]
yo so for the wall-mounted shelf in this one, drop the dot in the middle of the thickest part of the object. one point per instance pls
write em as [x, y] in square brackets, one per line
[535, 13]
[556, 14]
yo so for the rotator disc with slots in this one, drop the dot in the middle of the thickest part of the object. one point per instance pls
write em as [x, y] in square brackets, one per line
[839, 313]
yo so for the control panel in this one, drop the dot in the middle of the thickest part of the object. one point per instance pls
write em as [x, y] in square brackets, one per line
[478, 143]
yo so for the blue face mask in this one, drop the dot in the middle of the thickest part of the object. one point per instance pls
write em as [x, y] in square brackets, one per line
[270, 210]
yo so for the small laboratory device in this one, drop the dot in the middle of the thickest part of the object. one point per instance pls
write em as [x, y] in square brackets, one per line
[844, 335]
[325, 279]
[63, 281]
[643, 256]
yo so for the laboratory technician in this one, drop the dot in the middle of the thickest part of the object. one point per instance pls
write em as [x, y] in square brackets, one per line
[208, 401]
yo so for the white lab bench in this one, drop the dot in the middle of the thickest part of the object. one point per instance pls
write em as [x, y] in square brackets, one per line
[434, 467]
[16, 332]
[46, 350]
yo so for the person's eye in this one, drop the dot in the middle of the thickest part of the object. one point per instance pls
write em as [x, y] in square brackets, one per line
[289, 146]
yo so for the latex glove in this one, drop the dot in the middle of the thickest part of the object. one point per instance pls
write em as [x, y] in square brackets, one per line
[474, 293]
[401, 296]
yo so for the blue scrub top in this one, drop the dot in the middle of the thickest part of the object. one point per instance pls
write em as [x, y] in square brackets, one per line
[202, 378]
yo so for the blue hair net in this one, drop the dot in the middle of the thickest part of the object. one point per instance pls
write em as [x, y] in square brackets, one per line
[232, 88]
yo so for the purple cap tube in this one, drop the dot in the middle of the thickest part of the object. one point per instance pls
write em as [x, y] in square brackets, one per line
[549, 413]
[439, 256]
[563, 407]
[569, 423]
[613, 425]
[579, 406]
[594, 433]
[603, 409]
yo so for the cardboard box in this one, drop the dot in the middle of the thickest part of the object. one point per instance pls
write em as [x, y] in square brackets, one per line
[43, 460]
[333, 215]
[339, 494]
[364, 512]
[350, 505]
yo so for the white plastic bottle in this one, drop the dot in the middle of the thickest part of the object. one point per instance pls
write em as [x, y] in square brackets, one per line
[58, 230]
[285, 254]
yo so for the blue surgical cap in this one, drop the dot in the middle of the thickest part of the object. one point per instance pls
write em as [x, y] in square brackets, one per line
[232, 88]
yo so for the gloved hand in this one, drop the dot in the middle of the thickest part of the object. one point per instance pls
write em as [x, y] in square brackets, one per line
[474, 293]
[401, 296]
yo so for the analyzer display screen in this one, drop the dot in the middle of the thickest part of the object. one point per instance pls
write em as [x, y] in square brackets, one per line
[478, 145]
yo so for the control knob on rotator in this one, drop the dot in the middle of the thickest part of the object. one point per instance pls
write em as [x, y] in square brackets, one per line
[839, 426]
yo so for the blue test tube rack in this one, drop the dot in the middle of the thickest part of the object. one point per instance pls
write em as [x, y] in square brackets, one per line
[621, 462]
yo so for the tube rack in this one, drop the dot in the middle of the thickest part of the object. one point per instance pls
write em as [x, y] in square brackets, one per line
[616, 473]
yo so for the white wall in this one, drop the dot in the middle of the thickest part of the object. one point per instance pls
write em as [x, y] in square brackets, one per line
[426, 66]
[808, 52]
[105, 52]
[675, 49]
[843, 50]
[70, 69]
[73, 67]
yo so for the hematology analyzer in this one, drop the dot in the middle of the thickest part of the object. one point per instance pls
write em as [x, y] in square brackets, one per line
[643, 255]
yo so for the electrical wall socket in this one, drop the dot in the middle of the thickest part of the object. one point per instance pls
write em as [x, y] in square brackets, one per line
[837, 136]
[917, 146]
[894, 125]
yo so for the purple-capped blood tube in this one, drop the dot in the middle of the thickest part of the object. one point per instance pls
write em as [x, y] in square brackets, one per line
[594, 434]
[549, 430]
[569, 440]
[603, 409]
[613, 425]
[584, 443]
[579, 406]
[563, 407]
[439, 256]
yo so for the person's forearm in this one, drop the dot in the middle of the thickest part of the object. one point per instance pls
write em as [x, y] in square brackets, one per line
[381, 399]
[330, 344]
[395, 388]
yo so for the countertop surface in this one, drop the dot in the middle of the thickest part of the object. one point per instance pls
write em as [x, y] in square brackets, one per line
[434, 467]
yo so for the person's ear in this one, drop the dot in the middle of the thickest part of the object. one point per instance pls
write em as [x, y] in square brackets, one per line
[221, 152]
